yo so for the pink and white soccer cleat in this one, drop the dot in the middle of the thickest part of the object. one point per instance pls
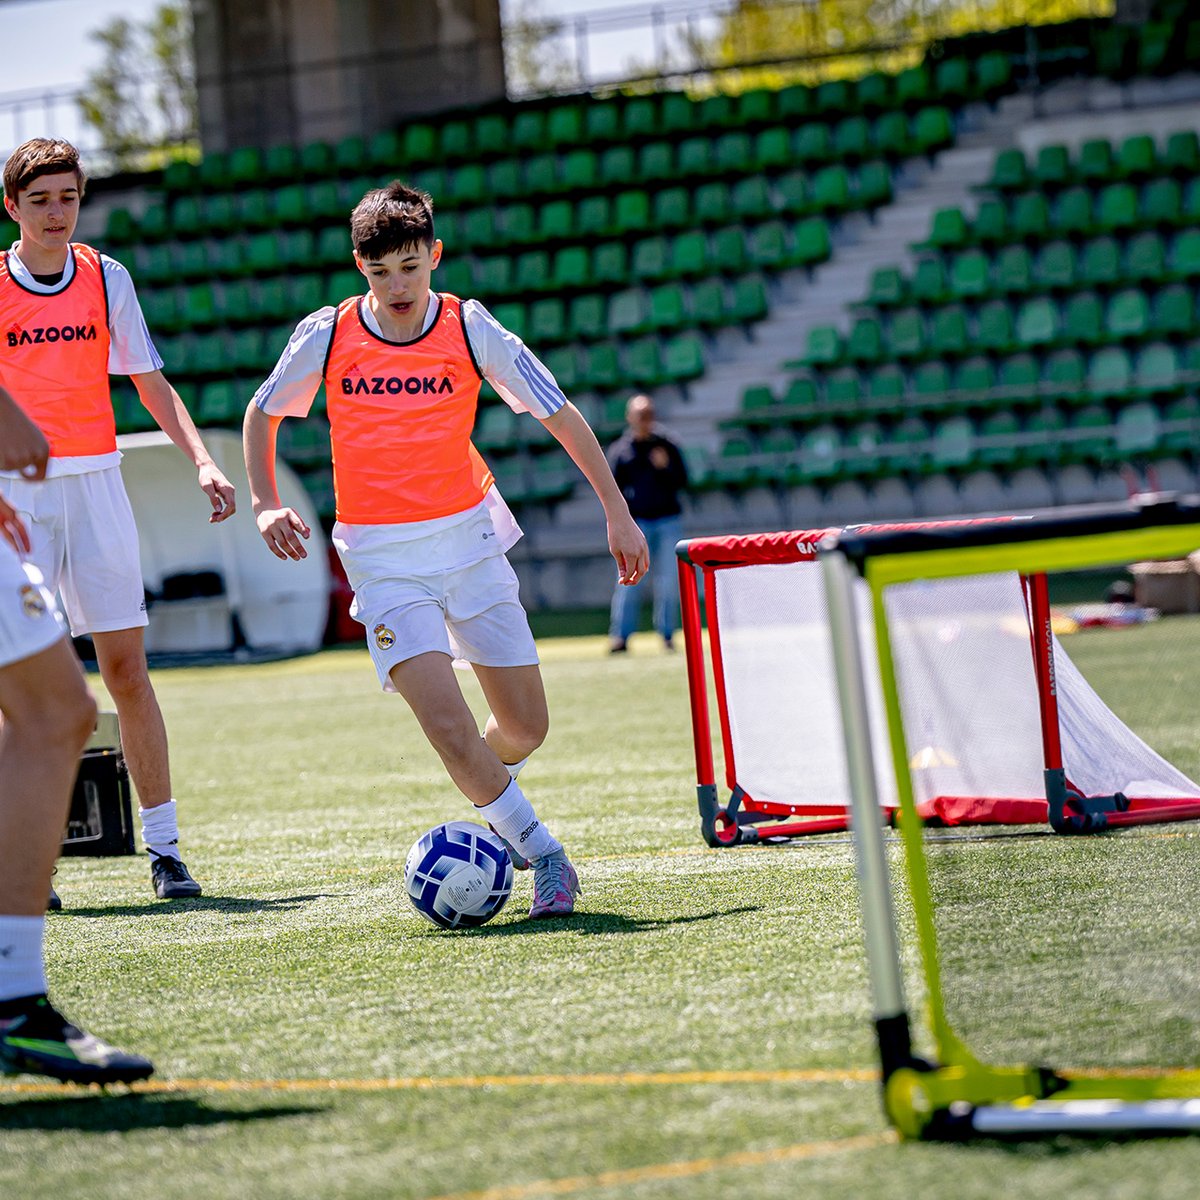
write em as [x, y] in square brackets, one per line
[555, 886]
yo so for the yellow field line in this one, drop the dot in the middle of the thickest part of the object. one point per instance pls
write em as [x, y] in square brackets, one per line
[675, 1170]
[433, 1083]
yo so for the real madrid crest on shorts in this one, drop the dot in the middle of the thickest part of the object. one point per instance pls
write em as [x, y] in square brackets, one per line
[385, 639]
[32, 603]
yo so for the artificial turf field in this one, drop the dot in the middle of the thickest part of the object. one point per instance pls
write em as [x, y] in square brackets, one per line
[700, 1028]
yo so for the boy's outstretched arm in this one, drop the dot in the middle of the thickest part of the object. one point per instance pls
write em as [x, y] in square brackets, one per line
[162, 402]
[281, 527]
[626, 542]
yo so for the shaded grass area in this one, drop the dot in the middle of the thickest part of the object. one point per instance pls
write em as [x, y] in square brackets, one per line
[302, 788]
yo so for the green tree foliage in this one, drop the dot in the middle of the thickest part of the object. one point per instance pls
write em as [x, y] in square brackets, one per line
[142, 97]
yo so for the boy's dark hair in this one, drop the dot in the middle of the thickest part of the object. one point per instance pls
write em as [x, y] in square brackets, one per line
[40, 156]
[391, 218]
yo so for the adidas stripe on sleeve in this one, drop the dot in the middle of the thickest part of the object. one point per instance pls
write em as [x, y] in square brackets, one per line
[518, 375]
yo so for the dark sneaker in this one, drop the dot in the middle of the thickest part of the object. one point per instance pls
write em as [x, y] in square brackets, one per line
[171, 879]
[54, 903]
[617, 646]
[519, 861]
[35, 1039]
[555, 886]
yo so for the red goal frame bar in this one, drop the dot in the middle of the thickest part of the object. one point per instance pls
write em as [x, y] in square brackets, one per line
[744, 818]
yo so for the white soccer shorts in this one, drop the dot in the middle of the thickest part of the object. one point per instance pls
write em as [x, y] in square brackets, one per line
[85, 544]
[29, 619]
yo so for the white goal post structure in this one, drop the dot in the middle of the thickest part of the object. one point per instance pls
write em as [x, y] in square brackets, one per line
[1003, 729]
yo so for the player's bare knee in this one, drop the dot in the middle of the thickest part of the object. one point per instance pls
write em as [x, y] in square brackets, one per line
[451, 734]
[526, 734]
[127, 677]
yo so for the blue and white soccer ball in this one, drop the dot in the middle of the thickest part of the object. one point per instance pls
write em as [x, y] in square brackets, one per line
[458, 874]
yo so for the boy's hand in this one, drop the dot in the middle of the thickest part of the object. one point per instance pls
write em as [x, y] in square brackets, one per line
[23, 447]
[627, 544]
[279, 528]
[219, 491]
[12, 530]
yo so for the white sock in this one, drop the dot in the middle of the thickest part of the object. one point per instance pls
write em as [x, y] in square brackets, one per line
[514, 769]
[513, 818]
[22, 961]
[160, 830]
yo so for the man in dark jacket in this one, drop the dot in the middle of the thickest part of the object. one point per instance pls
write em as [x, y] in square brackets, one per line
[650, 472]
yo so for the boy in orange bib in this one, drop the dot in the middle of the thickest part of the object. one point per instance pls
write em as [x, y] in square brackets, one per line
[69, 318]
[421, 528]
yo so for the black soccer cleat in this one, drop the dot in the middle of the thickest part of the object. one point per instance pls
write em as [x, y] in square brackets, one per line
[54, 901]
[171, 879]
[36, 1039]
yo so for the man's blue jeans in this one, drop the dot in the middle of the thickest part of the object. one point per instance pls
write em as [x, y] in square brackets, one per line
[661, 533]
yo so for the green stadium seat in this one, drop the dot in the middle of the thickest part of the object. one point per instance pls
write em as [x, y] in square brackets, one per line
[1083, 318]
[993, 74]
[515, 225]
[811, 241]
[1181, 155]
[913, 86]
[683, 357]
[689, 255]
[593, 216]
[1184, 261]
[933, 130]
[929, 285]
[120, 228]
[1055, 269]
[350, 154]
[952, 447]
[756, 404]
[1095, 163]
[729, 251]
[1138, 430]
[1073, 213]
[564, 125]
[492, 277]
[872, 184]
[906, 334]
[974, 381]
[677, 113]
[531, 272]
[773, 149]
[906, 447]
[886, 390]
[601, 368]
[1127, 314]
[990, 226]
[1117, 207]
[768, 245]
[1037, 322]
[247, 351]
[865, 343]
[1136, 157]
[998, 440]
[813, 143]
[716, 112]
[1110, 373]
[316, 160]
[587, 317]
[892, 136]
[1100, 264]
[1161, 203]
[631, 212]
[491, 132]
[602, 122]
[931, 384]
[1046, 427]
[852, 139]
[1018, 379]
[528, 130]
[628, 312]
[875, 92]
[1052, 168]
[639, 118]
[713, 205]
[793, 191]
[1181, 426]
[1091, 437]
[673, 207]
[801, 396]
[994, 330]
[650, 259]
[419, 143]
[952, 80]
[155, 223]
[749, 299]
[610, 263]
[970, 274]
[580, 170]
[179, 175]
[824, 346]
[1065, 373]
[1013, 271]
[949, 230]
[540, 177]
[843, 392]
[1145, 258]
[831, 189]
[656, 160]
[733, 153]
[160, 308]
[796, 100]
[694, 157]
[708, 305]
[751, 199]
[834, 97]
[212, 171]
[668, 308]
[1030, 217]
[220, 404]
[1172, 312]
[641, 360]
[555, 222]
[547, 321]
[887, 287]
